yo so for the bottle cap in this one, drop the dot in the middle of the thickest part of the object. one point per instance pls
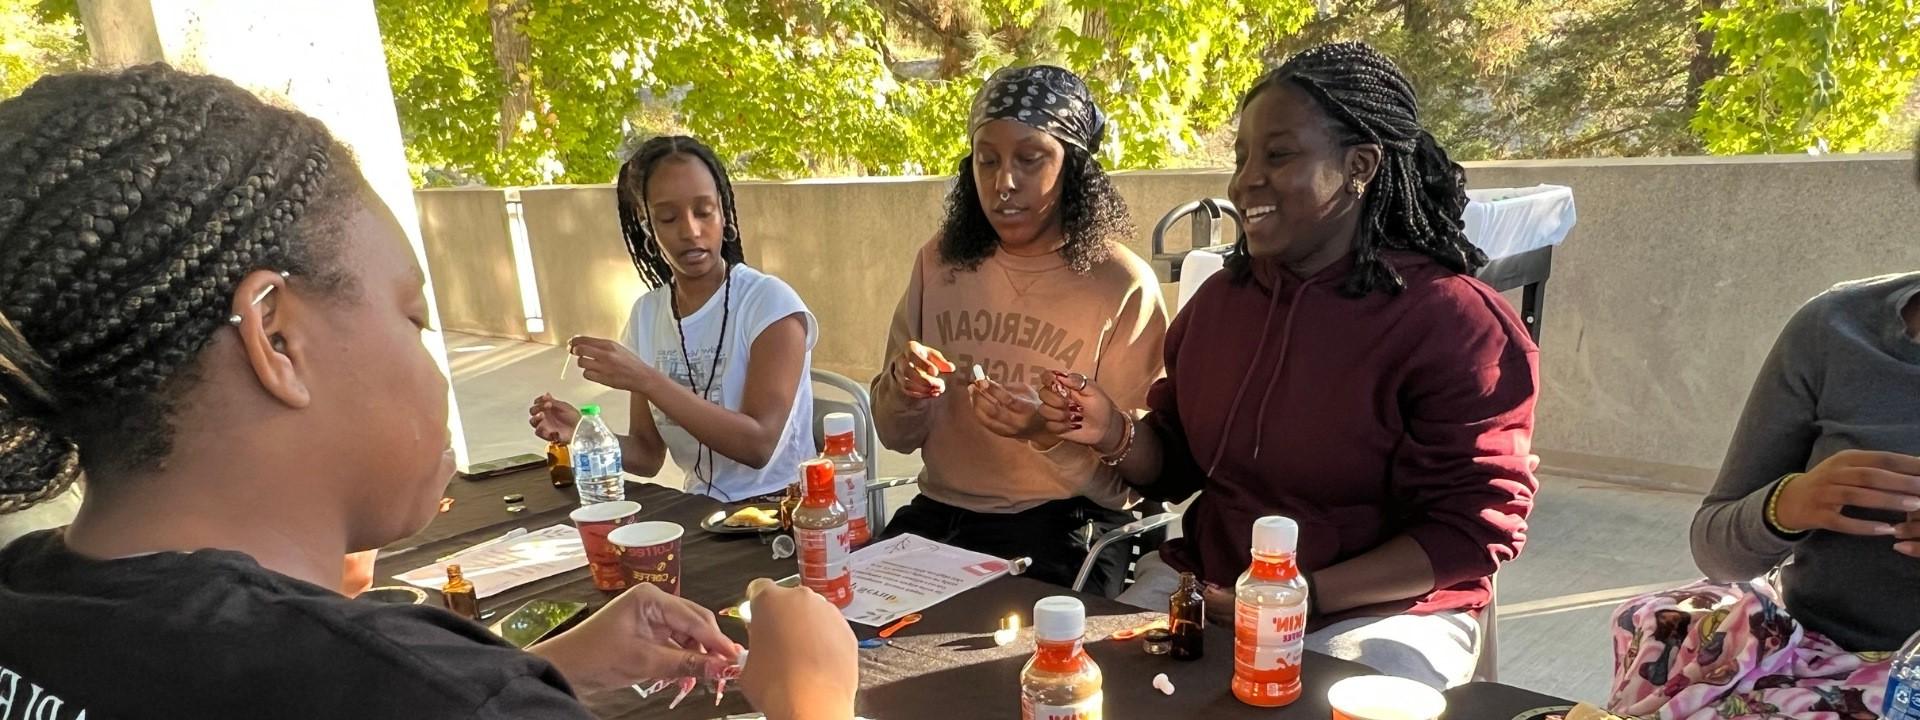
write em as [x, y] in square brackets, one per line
[837, 424]
[589, 410]
[1274, 535]
[819, 475]
[1059, 618]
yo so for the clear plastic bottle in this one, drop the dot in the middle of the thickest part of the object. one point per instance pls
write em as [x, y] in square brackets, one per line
[820, 529]
[596, 459]
[850, 470]
[1903, 683]
[1060, 682]
[1270, 618]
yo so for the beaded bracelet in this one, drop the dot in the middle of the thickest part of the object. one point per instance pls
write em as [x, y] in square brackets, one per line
[1773, 507]
[1126, 445]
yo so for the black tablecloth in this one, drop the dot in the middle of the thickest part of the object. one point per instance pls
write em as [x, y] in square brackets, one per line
[944, 666]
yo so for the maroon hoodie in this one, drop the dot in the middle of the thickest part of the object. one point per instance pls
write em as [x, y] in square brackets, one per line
[1360, 418]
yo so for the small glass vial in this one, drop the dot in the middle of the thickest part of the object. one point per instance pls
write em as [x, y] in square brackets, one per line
[1158, 642]
[560, 464]
[1060, 682]
[459, 595]
[1187, 619]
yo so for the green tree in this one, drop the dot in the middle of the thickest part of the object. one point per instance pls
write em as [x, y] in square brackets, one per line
[1825, 77]
[1169, 71]
[36, 41]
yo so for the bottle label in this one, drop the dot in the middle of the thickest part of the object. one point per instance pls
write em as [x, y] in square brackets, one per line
[1088, 709]
[853, 495]
[597, 463]
[1268, 643]
[823, 562]
[1903, 699]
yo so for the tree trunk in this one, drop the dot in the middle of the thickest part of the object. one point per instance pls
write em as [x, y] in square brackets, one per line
[513, 56]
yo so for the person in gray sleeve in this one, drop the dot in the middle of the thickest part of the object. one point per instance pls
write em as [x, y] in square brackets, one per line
[1810, 539]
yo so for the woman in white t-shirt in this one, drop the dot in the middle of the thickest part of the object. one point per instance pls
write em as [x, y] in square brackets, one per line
[716, 354]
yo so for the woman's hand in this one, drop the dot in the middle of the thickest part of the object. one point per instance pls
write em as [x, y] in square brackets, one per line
[553, 420]
[804, 664]
[1908, 534]
[611, 364]
[1099, 424]
[917, 371]
[1018, 411]
[1852, 478]
[644, 634]
[1219, 602]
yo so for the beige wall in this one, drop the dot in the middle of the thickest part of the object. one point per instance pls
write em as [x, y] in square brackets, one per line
[471, 260]
[1663, 302]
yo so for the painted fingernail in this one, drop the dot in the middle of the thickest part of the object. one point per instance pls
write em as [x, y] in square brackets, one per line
[1078, 418]
[1078, 426]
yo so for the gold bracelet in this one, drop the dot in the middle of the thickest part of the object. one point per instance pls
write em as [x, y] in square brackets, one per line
[1773, 506]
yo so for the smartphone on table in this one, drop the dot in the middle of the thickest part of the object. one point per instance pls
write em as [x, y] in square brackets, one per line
[538, 620]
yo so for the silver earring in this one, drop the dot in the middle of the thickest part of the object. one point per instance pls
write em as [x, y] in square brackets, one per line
[234, 319]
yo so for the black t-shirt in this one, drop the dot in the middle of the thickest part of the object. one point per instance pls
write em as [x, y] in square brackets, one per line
[211, 634]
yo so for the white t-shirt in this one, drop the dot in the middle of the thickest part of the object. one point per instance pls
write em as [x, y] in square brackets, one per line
[758, 300]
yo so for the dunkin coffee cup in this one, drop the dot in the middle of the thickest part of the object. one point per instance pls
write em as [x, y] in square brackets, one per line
[650, 553]
[595, 522]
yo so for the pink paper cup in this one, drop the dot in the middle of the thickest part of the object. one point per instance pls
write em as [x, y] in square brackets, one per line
[596, 522]
[650, 553]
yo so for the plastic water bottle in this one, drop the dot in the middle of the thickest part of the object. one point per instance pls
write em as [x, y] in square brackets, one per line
[1903, 683]
[1270, 618]
[596, 460]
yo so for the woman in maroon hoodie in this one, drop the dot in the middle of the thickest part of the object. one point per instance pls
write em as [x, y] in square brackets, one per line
[1385, 403]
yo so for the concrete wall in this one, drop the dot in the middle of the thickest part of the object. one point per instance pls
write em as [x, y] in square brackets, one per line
[471, 261]
[1663, 302]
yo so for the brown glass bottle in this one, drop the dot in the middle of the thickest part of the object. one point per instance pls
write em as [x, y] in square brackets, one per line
[1187, 619]
[459, 595]
[560, 465]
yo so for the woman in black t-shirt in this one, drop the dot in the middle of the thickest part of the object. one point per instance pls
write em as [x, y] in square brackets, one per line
[205, 307]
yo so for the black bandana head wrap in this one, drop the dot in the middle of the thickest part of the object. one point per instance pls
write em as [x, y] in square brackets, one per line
[1045, 97]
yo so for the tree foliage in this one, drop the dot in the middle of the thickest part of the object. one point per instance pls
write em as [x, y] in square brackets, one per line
[36, 40]
[1809, 76]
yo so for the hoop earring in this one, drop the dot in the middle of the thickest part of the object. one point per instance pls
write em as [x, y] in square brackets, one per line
[1004, 194]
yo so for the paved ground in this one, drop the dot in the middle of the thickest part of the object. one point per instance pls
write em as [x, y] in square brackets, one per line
[1593, 544]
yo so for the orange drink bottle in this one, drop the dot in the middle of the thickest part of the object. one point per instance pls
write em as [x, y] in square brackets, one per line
[1270, 618]
[820, 529]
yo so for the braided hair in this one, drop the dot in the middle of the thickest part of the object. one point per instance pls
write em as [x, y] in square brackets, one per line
[636, 225]
[1093, 216]
[636, 221]
[1418, 196]
[132, 204]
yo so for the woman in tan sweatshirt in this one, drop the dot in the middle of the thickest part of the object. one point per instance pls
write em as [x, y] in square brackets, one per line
[1029, 276]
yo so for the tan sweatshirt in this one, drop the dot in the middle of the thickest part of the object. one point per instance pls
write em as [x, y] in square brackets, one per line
[1018, 318]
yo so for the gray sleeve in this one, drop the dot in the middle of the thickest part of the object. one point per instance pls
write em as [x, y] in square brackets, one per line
[1731, 539]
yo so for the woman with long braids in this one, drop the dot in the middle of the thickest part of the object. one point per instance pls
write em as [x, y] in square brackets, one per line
[206, 309]
[1347, 372]
[1029, 274]
[716, 355]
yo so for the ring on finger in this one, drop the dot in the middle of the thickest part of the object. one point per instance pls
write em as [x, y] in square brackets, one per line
[1083, 382]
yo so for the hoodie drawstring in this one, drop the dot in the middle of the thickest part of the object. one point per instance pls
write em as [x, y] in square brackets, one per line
[1239, 394]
